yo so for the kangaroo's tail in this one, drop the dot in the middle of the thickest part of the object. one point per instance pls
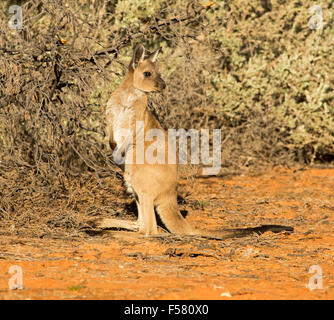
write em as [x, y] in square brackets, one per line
[168, 210]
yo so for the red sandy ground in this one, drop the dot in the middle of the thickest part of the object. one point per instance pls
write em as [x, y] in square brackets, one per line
[270, 266]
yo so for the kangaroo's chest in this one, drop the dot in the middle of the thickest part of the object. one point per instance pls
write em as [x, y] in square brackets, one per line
[121, 113]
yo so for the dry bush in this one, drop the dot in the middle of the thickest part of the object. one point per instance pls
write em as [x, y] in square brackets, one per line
[56, 76]
[254, 69]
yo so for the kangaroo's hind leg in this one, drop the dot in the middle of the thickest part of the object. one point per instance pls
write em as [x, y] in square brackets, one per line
[146, 216]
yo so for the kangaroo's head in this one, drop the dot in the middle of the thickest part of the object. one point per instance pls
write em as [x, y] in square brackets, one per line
[146, 76]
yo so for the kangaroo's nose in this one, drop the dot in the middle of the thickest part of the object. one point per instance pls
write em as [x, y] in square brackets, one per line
[159, 84]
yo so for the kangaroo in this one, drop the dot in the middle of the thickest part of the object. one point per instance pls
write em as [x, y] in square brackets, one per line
[154, 185]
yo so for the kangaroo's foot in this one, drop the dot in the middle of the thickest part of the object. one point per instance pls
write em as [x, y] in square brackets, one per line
[112, 223]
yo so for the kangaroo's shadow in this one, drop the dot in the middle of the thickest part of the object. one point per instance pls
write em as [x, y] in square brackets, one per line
[275, 228]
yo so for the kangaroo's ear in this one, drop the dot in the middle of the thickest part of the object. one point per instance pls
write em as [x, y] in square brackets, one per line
[138, 55]
[154, 55]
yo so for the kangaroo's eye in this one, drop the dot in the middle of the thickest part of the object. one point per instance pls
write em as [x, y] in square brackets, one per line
[147, 74]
